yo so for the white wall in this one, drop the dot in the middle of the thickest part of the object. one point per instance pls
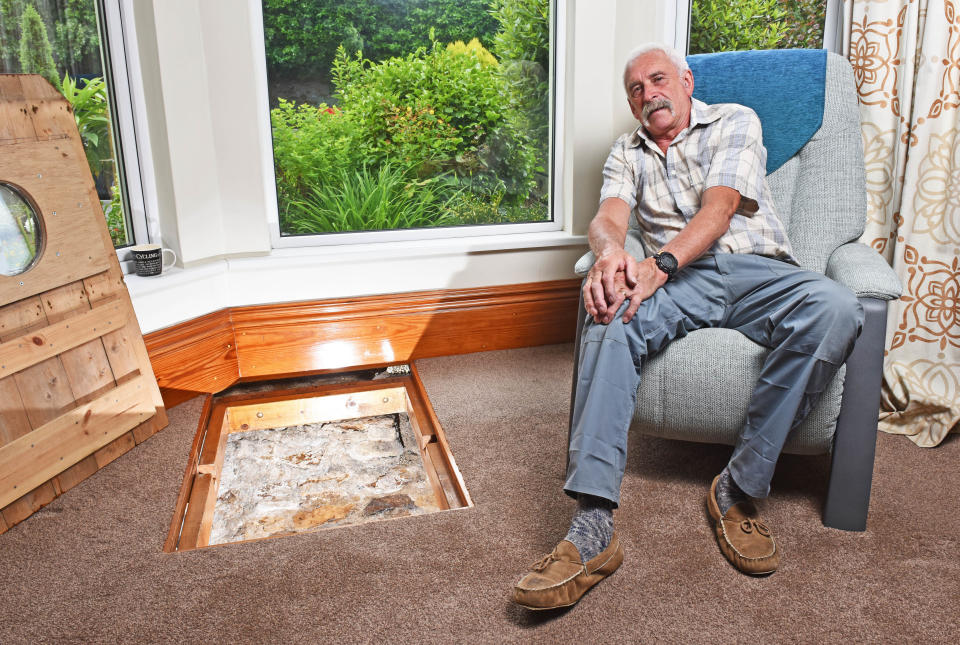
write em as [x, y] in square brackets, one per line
[203, 75]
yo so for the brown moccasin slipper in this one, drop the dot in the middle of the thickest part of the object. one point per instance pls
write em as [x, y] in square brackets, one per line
[743, 538]
[560, 579]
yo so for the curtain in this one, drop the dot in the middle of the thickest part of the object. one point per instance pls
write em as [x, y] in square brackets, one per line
[906, 60]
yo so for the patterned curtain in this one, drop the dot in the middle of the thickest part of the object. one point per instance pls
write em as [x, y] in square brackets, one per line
[906, 59]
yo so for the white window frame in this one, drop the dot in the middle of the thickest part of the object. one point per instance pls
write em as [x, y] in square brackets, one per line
[129, 106]
[558, 29]
[676, 24]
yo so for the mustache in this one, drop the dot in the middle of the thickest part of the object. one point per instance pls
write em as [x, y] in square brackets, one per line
[654, 105]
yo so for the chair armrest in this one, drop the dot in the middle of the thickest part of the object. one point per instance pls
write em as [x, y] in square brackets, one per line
[863, 271]
[632, 244]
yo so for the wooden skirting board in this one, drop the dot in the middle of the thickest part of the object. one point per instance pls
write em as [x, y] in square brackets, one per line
[212, 352]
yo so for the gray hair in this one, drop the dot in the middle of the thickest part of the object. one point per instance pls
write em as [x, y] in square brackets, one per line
[678, 59]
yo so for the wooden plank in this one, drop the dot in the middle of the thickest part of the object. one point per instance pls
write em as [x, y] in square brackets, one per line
[424, 410]
[210, 453]
[15, 122]
[19, 353]
[321, 409]
[75, 474]
[118, 344]
[446, 482]
[16, 319]
[14, 422]
[116, 448]
[199, 494]
[35, 87]
[21, 317]
[49, 111]
[179, 508]
[3, 524]
[26, 505]
[87, 367]
[45, 391]
[64, 441]
[56, 176]
[148, 428]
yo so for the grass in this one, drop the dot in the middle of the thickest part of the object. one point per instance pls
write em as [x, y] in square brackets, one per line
[390, 197]
[370, 199]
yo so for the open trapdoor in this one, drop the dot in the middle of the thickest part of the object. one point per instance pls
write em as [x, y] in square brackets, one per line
[275, 463]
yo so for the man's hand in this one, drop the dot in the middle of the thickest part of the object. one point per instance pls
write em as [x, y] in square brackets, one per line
[649, 278]
[612, 275]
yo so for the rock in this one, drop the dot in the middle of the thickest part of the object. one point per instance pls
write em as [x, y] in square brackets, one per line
[389, 503]
[315, 517]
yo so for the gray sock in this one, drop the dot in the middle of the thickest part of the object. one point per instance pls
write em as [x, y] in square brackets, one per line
[592, 526]
[728, 493]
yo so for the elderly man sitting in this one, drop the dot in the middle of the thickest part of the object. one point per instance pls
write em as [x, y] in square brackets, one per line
[693, 178]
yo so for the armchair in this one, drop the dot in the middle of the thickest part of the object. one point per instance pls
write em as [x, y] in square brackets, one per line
[820, 194]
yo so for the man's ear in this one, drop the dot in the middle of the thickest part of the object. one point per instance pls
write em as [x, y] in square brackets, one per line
[687, 79]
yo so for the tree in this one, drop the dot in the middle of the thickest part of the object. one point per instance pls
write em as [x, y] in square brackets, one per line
[36, 55]
[10, 12]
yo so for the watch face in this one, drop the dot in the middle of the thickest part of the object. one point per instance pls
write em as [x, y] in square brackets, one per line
[667, 262]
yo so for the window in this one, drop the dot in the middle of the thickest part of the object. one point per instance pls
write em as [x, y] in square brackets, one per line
[728, 25]
[62, 40]
[394, 115]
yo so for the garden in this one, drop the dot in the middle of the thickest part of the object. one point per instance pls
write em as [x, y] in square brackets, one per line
[437, 112]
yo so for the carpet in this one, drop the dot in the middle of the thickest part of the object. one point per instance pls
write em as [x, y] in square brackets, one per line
[89, 567]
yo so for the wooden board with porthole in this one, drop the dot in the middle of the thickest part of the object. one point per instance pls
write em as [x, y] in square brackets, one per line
[228, 416]
[76, 385]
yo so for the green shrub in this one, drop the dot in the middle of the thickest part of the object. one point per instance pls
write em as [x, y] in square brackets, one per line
[720, 25]
[36, 55]
[524, 30]
[434, 107]
[116, 224]
[370, 199]
[523, 44]
[312, 145]
[92, 114]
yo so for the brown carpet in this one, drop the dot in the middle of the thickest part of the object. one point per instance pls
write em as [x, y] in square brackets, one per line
[89, 567]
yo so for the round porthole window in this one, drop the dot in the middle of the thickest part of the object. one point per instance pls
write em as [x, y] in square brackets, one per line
[21, 233]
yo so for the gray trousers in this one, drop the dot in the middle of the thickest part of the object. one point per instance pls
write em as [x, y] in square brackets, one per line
[808, 321]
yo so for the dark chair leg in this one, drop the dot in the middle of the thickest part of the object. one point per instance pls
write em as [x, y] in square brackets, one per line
[855, 440]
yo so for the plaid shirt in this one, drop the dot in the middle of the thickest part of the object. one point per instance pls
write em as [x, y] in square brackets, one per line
[722, 147]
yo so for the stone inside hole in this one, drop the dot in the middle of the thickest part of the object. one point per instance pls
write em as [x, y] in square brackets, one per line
[286, 480]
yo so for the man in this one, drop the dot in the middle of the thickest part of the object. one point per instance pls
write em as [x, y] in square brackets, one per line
[693, 177]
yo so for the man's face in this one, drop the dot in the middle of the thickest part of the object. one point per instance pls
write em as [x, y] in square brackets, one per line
[658, 94]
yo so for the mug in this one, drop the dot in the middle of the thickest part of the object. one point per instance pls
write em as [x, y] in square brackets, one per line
[148, 259]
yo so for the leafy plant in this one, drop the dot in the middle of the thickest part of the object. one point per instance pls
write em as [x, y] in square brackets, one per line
[116, 223]
[91, 112]
[36, 55]
[435, 107]
[312, 145]
[388, 197]
[720, 25]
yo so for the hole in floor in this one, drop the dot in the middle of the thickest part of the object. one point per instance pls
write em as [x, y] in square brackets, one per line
[281, 458]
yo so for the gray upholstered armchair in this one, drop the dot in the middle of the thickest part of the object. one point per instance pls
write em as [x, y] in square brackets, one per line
[821, 197]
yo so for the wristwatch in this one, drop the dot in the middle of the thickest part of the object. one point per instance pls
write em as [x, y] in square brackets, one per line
[667, 263]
